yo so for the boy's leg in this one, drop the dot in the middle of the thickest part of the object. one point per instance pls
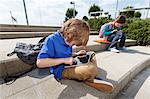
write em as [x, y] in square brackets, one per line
[110, 39]
[122, 41]
[113, 39]
[87, 73]
[83, 72]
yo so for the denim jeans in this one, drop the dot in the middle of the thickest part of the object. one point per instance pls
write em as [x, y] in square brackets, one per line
[113, 38]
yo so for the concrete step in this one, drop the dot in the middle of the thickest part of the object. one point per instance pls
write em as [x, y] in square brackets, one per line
[138, 88]
[118, 68]
[27, 28]
[143, 93]
[15, 35]
[12, 65]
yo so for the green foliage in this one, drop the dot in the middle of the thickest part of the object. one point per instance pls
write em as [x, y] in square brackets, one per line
[128, 7]
[139, 30]
[137, 14]
[69, 13]
[96, 23]
[94, 8]
[85, 18]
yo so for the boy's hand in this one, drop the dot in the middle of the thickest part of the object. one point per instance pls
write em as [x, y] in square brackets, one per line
[114, 31]
[120, 31]
[81, 52]
[68, 61]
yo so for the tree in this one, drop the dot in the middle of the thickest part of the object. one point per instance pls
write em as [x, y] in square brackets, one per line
[128, 7]
[137, 14]
[85, 18]
[94, 8]
[69, 13]
[129, 13]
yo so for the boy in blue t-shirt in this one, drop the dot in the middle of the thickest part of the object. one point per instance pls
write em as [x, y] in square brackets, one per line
[56, 53]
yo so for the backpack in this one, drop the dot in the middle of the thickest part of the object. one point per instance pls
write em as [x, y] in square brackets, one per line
[102, 28]
[28, 54]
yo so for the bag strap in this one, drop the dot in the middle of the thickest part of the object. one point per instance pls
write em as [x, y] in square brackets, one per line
[12, 53]
[42, 40]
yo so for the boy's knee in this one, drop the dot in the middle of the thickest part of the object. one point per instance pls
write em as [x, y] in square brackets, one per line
[90, 73]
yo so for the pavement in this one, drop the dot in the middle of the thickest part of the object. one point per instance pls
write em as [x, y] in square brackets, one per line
[117, 68]
[138, 87]
[143, 93]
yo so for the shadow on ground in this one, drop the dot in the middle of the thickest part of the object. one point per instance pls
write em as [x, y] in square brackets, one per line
[134, 52]
[74, 89]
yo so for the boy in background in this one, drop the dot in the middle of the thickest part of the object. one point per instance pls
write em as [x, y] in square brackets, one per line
[112, 32]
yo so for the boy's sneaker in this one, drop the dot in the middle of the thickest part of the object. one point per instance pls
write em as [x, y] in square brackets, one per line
[100, 85]
[123, 48]
[114, 50]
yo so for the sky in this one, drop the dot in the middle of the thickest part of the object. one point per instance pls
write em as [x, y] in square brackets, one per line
[52, 12]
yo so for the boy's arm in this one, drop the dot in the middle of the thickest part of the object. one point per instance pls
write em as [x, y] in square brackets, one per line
[106, 31]
[47, 62]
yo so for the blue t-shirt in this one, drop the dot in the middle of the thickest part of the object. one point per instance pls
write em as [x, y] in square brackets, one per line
[55, 47]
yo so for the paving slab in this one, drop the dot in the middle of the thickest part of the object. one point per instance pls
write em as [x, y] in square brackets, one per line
[138, 87]
[144, 92]
[113, 67]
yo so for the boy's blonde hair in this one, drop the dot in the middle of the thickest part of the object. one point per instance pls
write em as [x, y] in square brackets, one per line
[76, 30]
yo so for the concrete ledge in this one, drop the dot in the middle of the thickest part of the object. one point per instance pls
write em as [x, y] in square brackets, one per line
[26, 28]
[17, 66]
[15, 35]
[12, 66]
[113, 67]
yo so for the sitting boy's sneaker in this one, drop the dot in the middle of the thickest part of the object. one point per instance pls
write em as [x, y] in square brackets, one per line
[100, 85]
[123, 48]
[98, 78]
[114, 50]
